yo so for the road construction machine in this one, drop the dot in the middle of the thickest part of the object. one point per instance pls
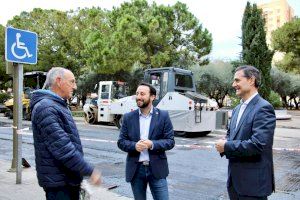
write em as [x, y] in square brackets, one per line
[190, 111]
[98, 109]
[32, 81]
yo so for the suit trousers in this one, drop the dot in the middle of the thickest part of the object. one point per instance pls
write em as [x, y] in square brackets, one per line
[233, 195]
[143, 176]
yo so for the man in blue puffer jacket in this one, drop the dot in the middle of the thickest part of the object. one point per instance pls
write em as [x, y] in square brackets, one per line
[58, 152]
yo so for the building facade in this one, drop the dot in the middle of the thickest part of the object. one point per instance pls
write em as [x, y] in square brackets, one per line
[276, 13]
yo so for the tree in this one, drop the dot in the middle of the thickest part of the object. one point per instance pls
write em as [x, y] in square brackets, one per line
[59, 39]
[91, 24]
[109, 51]
[3, 76]
[287, 85]
[281, 83]
[287, 39]
[150, 35]
[215, 80]
[255, 51]
[295, 90]
[112, 42]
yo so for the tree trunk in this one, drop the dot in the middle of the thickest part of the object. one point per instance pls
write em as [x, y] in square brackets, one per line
[284, 100]
[296, 104]
[290, 103]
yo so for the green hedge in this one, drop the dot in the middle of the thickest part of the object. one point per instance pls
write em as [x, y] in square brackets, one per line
[78, 113]
[275, 100]
[4, 97]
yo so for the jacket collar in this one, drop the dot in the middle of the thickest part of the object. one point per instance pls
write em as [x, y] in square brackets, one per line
[248, 100]
[150, 113]
[248, 109]
[155, 114]
[153, 121]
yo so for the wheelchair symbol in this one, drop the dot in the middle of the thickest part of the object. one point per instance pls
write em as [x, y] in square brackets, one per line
[20, 45]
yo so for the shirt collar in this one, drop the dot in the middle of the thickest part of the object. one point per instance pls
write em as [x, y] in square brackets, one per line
[248, 100]
[151, 112]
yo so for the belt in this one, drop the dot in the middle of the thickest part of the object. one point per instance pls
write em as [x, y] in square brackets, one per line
[145, 163]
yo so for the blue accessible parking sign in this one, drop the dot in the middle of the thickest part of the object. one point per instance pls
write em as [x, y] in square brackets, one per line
[20, 46]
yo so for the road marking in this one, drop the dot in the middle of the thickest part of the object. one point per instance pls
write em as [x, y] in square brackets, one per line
[23, 131]
[287, 149]
[210, 145]
[98, 140]
[98, 125]
[210, 142]
[194, 146]
[216, 134]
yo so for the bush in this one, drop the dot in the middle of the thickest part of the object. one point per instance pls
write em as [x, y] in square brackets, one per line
[78, 113]
[235, 101]
[275, 99]
[4, 97]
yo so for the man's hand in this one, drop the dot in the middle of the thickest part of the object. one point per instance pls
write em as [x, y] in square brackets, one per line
[220, 145]
[149, 143]
[95, 178]
[141, 146]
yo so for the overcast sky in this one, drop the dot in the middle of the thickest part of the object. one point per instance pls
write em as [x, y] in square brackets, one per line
[221, 17]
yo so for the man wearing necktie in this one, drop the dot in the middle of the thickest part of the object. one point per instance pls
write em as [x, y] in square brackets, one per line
[249, 140]
[146, 134]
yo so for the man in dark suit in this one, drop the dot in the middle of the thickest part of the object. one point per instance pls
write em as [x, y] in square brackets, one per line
[145, 135]
[249, 140]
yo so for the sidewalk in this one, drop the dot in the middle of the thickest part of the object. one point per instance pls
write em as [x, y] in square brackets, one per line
[293, 123]
[30, 190]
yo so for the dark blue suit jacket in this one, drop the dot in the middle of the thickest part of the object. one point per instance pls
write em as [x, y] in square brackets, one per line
[249, 149]
[161, 134]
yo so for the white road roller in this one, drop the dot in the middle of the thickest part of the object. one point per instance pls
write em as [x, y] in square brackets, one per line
[190, 112]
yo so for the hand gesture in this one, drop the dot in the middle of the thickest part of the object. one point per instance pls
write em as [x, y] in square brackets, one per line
[95, 178]
[148, 143]
[220, 145]
[141, 146]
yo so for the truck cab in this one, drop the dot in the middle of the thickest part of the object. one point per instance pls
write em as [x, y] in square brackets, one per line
[170, 79]
[109, 91]
[176, 92]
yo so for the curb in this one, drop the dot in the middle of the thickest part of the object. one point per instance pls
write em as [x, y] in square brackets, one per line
[288, 127]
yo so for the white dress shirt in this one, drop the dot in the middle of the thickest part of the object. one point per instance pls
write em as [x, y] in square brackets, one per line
[145, 121]
[243, 108]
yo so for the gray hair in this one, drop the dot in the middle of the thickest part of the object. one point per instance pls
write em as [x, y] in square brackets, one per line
[53, 73]
[249, 72]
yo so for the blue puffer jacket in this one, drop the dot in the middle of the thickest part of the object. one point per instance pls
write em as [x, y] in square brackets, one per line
[58, 151]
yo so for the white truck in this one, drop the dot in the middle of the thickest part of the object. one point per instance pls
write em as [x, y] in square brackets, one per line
[98, 109]
[189, 111]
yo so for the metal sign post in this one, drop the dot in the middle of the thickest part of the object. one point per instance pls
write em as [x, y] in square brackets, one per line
[17, 122]
[20, 47]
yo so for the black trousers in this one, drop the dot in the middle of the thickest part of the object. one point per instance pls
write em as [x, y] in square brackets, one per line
[233, 195]
[63, 193]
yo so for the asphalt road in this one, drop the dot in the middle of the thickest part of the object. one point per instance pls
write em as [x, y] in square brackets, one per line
[196, 169]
